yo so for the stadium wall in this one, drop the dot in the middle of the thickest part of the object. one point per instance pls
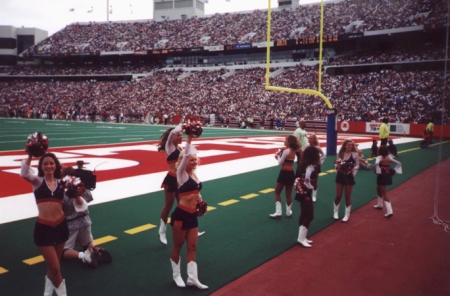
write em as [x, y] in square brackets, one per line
[400, 129]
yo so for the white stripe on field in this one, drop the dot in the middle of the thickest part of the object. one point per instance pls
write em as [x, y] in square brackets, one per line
[23, 206]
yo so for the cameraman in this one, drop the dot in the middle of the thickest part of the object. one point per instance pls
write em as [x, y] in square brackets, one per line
[79, 222]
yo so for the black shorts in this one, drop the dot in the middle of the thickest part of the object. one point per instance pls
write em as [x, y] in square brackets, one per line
[170, 183]
[286, 178]
[47, 235]
[384, 179]
[188, 219]
[345, 179]
[304, 197]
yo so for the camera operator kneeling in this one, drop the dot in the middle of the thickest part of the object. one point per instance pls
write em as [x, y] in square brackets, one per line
[79, 222]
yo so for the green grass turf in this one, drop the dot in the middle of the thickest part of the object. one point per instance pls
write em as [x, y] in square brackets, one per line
[239, 237]
[14, 132]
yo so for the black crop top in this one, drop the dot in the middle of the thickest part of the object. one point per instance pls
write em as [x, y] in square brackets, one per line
[190, 186]
[173, 157]
[43, 192]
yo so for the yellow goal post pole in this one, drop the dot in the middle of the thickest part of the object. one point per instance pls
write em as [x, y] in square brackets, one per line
[331, 113]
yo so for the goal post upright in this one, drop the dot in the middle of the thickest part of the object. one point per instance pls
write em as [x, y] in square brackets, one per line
[331, 112]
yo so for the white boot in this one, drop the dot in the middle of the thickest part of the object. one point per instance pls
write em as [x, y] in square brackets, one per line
[277, 213]
[389, 211]
[336, 211]
[347, 213]
[162, 232]
[48, 291]
[314, 195]
[61, 290]
[379, 205]
[302, 232]
[177, 274]
[288, 210]
[193, 276]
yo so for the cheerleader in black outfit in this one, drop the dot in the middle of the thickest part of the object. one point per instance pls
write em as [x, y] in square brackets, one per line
[51, 230]
[306, 177]
[286, 177]
[312, 141]
[169, 143]
[184, 218]
[384, 177]
[347, 165]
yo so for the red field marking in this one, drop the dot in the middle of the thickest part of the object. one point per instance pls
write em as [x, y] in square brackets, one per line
[147, 162]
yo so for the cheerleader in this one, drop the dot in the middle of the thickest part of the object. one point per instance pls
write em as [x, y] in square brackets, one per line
[307, 173]
[384, 178]
[169, 143]
[286, 177]
[184, 218]
[347, 164]
[312, 141]
[51, 230]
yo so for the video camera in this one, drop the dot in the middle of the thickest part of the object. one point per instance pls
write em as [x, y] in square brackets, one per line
[87, 177]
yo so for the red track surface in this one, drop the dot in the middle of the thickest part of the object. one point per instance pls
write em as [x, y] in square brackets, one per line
[369, 255]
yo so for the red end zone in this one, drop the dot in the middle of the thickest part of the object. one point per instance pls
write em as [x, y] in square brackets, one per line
[116, 161]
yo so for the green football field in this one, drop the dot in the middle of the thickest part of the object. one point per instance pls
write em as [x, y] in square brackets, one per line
[239, 237]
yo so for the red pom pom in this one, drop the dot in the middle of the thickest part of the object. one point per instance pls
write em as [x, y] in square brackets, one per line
[194, 128]
[73, 187]
[202, 208]
[37, 144]
[299, 186]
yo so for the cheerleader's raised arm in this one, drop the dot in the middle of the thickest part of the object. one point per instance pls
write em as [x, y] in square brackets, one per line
[170, 147]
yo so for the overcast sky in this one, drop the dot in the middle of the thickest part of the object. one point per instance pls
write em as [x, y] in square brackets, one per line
[53, 15]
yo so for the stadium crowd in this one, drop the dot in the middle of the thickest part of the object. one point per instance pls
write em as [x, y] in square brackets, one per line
[348, 16]
[408, 97]
[77, 70]
[415, 54]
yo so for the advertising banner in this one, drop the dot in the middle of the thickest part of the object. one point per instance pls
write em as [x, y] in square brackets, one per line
[394, 128]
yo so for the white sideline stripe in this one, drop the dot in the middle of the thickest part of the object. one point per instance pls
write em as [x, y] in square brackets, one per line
[23, 206]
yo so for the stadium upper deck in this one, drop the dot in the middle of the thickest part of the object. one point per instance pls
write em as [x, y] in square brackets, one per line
[346, 17]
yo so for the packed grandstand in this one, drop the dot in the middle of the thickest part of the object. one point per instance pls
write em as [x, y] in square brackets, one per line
[382, 59]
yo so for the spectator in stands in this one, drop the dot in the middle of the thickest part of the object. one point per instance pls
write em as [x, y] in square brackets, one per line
[278, 123]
